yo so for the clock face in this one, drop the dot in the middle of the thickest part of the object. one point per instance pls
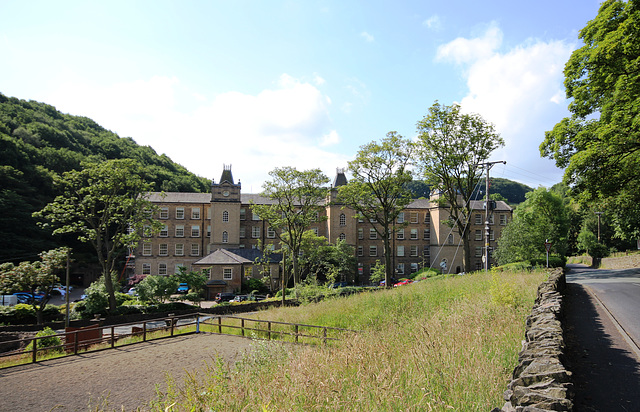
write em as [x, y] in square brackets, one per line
[225, 193]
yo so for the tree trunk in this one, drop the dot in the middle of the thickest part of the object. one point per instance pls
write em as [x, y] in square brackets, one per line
[388, 269]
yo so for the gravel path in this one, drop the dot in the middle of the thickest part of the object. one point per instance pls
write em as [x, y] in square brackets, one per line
[127, 376]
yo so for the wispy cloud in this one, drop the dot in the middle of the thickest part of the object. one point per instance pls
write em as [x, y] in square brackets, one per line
[367, 37]
[433, 22]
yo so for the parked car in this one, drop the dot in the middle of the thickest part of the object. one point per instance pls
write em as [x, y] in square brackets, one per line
[183, 288]
[132, 292]
[338, 285]
[240, 298]
[28, 297]
[403, 282]
[225, 297]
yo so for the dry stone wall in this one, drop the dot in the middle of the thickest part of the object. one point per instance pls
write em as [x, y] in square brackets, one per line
[541, 382]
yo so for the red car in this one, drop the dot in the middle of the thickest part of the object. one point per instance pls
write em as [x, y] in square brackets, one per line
[403, 282]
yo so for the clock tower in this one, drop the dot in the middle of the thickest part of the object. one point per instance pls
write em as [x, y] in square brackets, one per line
[225, 212]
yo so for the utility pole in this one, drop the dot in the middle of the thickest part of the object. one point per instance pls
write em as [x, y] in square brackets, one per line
[487, 212]
[598, 214]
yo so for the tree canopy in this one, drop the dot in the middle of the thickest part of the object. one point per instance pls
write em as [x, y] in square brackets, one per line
[378, 190]
[104, 205]
[599, 144]
[451, 146]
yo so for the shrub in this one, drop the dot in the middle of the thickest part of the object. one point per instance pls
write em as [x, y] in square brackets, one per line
[554, 262]
[44, 343]
[24, 313]
[254, 284]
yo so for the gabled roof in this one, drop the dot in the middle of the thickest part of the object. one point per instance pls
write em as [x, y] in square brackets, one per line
[178, 197]
[222, 257]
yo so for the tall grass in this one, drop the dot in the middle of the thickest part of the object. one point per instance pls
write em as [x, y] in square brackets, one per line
[441, 344]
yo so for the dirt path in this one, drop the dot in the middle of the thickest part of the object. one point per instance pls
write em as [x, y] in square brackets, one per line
[127, 376]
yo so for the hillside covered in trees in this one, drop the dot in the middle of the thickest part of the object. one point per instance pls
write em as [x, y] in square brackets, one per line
[36, 143]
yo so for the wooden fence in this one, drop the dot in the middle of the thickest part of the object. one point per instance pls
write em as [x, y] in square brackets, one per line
[97, 337]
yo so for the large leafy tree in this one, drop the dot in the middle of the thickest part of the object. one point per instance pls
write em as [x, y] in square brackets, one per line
[296, 201]
[104, 204]
[378, 190]
[451, 146]
[542, 216]
[39, 276]
[599, 144]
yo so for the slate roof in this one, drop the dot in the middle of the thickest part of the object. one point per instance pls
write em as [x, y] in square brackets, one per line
[222, 257]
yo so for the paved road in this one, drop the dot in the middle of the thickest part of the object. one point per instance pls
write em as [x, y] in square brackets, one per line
[618, 290]
[603, 358]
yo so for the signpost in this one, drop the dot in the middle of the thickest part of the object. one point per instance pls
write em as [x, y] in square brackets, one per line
[547, 246]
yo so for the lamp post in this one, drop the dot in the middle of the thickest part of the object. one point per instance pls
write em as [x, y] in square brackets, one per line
[598, 214]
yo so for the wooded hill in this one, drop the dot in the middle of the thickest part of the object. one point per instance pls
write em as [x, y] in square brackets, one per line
[37, 142]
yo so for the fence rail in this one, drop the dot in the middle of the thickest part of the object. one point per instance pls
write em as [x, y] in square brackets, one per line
[94, 338]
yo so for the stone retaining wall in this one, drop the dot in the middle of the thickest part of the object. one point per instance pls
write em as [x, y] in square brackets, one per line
[541, 382]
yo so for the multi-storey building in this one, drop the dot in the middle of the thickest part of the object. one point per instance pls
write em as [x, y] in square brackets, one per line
[196, 225]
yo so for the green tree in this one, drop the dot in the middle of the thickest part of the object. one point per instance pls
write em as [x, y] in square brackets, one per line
[296, 198]
[451, 147]
[104, 204]
[196, 281]
[34, 277]
[543, 216]
[157, 289]
[378, 189]
[599, 144]
[377, 273]
[327, 263]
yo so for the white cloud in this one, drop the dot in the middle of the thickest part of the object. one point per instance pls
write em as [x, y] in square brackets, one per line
[369, 38]
[433, 22]
[285, 125]
[520, 91]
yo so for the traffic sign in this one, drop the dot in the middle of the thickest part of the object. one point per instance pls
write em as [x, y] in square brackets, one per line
[547, 246]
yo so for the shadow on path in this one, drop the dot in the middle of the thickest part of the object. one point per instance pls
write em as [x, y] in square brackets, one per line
[605, 374]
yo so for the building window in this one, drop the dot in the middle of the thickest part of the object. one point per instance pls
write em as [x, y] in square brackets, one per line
[414, 267]
[426, 251]
[360, 233]
[179, 230]
[146, 268]
[400, 269]
[225, 216]
[414, 250]
[315, 231]
[414, 217]
[343, 219]
[373, 234]
[254, 216]
[478, 219]
[491, 235]
[478, 251]
[162, 269]
[195, 249]
[427, 218]
[248, 272]
[503, 220]
[400, 234]
[164, 250]
[414, 234]
[478, 234]
[195, 231]
[450, 239]
[179, 212]
[208, 230]
[179, 249]
[195, 213]
[207, 272]
[427, 234]
[225, 237]
[255, 232]
[208, 213]
[242, 232]
[271, 247]
[146, 249]
[164, 232]
[360, 251]
[400, 251]
[271, 233]
[227, 273]
[401, 217]
[373, 251]
[243, 214]
[342, 236]
[164, 213]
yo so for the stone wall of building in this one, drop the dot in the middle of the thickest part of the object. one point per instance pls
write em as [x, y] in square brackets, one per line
[541, 382]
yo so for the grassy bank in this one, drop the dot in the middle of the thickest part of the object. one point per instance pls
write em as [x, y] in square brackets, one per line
[439, 344]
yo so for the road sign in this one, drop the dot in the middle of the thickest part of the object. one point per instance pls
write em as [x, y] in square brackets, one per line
[547, 246]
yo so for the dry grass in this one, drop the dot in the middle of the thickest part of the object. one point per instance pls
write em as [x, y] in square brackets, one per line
[447, 344]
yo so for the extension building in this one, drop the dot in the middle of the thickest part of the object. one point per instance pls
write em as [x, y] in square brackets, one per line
[218, 233]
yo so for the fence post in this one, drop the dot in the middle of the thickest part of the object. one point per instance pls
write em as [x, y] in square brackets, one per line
[113, 338]
[219, 324]
[173, 319]
[144, 331]
[242, 326]
[198, 323]
[34, 353]
[75, 343]
[296, 333]
[269, 329]
[324, 337]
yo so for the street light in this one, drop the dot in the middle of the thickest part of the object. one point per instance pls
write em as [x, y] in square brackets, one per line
[599, 214]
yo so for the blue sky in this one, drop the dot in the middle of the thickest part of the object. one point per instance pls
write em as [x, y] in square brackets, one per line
[265, 84]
